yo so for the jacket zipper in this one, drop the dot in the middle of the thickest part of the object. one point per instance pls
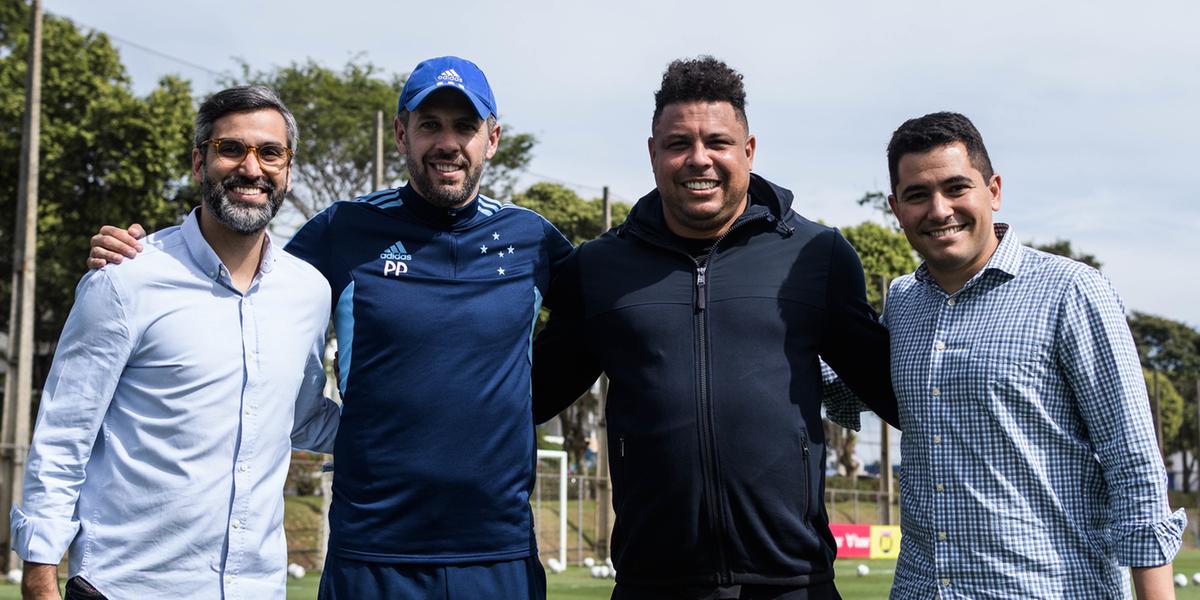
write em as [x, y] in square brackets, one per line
[711, 468]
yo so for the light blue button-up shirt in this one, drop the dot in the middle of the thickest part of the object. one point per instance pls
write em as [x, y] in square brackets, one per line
[1029, 462]
[167, 420]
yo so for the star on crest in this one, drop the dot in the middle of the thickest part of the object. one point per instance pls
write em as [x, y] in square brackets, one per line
[495, 235]
[511, 250]
[500, 270]
[483, 249]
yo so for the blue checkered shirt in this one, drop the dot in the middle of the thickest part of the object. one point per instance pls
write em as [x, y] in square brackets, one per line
[1029, 464]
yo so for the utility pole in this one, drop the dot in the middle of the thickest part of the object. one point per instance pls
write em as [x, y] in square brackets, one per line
[885, 441]
[607, 211]
[377, 174]
[18, 388]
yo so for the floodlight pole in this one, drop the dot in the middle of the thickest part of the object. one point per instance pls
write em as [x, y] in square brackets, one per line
[18, 389]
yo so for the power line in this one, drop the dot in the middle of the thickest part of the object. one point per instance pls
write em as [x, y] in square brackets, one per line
[148, 49]
[572, 184]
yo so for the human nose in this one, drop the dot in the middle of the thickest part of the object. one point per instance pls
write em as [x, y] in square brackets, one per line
[251, 167]
[940, 207]
[697, 157]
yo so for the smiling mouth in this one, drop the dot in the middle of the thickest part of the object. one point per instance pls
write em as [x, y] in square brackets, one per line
[446, 169]
[947, 231]
[248, 190]
[700, 185]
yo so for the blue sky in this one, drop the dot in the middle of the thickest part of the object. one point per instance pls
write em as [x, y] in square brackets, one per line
[1089, 109]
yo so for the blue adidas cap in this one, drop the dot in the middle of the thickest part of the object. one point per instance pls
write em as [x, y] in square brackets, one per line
[448, 71]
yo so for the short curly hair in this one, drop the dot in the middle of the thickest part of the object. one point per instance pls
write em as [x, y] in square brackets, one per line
[934, 130]
[701, 79]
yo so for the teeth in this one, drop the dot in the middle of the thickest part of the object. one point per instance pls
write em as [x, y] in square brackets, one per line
[953, 229]
[443, 168]
[247, 191]
[699, 185]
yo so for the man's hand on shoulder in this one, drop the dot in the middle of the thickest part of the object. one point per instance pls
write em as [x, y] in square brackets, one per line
[39, 582]
[113, 245]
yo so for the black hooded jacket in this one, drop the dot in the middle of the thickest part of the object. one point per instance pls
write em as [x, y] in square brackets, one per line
[716, 446]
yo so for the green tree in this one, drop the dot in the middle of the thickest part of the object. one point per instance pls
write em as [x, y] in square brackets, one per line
[1170, 406]
[1172, 349]
[105, 154]
[884, 253]
[1063, 248]
[335, 111]
[578, 219]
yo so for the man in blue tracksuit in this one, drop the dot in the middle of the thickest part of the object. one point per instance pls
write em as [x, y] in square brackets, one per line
[708, 309]
[435, 290]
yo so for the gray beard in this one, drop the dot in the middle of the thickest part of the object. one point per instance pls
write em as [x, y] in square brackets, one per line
[439, 196]
[245, 219]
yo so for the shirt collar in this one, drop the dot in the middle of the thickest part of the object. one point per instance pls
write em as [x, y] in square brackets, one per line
[207, 258]
[1006, 259]
[414, 202]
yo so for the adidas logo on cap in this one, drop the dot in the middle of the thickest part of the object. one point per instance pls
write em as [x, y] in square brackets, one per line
[450, 75]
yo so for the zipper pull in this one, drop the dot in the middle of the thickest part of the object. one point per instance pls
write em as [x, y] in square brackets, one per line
[700, 295]
[621, 446]
[804, 448]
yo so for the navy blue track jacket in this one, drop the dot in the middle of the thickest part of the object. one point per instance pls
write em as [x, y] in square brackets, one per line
[716, 445]
[434, 310]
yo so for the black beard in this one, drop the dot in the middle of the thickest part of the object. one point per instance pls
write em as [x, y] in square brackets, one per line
[243, 218]
[437, 195]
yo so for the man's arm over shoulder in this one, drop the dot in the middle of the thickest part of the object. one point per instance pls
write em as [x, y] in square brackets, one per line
[93, 349]
[563, 368]
[1096, 353]
[317, 416]
[853, 342]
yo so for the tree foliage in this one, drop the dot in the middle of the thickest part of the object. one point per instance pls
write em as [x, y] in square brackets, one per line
[105, 154]
[1172, 349]
[1063, 248]
[336, 113]
[884, 253]
[578, 219]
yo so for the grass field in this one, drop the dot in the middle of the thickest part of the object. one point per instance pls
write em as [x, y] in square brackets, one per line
[577, 584]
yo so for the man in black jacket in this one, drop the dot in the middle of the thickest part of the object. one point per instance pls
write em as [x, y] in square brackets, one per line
[708, 309]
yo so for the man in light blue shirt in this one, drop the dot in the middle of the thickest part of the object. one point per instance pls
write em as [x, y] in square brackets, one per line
[180, 384]
[1029, 462]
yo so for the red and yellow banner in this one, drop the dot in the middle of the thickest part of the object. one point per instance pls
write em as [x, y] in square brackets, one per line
[866, 541]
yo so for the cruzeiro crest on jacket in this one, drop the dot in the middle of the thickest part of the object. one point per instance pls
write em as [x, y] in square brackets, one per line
[395, 260]
[496, 254]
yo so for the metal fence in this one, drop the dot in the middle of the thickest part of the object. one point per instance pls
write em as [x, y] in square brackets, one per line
[584, 538]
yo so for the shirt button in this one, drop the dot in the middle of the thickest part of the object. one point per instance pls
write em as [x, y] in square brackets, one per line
[936, 391]
[228, 579]
[246, 412]
[945, 581]
[237, 524]
[950, 302]
[942, 536]
[939, 345]
[939, 487]
[937, 439]
[243, 468]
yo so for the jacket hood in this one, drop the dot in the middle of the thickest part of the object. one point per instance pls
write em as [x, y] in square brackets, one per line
[646, 216]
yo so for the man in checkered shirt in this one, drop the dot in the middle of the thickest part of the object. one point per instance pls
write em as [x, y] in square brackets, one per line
[1029, 462]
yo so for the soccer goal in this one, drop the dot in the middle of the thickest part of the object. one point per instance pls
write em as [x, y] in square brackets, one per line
[540, 497]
